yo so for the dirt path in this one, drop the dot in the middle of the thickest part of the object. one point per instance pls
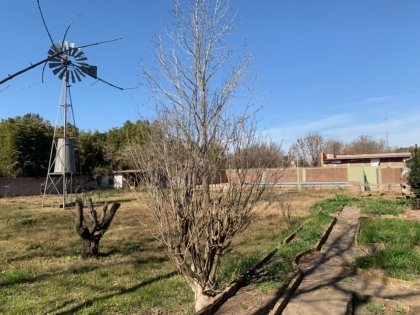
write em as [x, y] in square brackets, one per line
[329, 280]
[320, 292]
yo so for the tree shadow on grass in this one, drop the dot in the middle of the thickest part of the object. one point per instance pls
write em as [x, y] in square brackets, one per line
[43, 250]
[75, 247]
[80, 267]
[124, 291]
[28, 279]
[127, 248]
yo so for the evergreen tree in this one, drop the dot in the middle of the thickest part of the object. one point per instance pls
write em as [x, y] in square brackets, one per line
[414, 175]
[25, 143]
[25, 146]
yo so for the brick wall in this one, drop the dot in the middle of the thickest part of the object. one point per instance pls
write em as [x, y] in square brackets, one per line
[326, 174]
[391, 176]
[280, 175]
[388, 178]
[250, 175]
[380, 178]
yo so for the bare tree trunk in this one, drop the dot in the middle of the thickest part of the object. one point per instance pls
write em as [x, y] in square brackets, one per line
[92, 238]
[90, 248]
[202, 300]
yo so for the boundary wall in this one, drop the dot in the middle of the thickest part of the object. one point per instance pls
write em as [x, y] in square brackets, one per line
[354, 178]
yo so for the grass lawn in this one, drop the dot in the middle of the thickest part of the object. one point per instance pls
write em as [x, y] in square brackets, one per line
[401, 256]
[41, 270]
[399, 261]
[389, 231]
[378, 206]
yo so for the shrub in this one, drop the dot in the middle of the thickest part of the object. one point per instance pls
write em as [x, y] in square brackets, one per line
[414, 175]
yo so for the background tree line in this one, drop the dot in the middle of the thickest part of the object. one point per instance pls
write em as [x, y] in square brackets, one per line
[25, 145]
[307, 150]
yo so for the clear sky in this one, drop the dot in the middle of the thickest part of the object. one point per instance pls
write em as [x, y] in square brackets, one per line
[339, 68]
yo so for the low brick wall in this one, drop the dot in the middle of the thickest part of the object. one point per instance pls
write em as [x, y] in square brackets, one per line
[280, 175]
[326, 174]
[386, 179]
[383, 178]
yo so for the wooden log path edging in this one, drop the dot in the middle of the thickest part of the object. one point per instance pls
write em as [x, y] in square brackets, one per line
[294, 284]
[318, 245]
[359, 226]
[292, 235]
[236, 284]
[291, 288]
[325, 235]
[387, 280]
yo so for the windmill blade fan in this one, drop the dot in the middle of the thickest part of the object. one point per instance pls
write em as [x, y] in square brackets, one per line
[61, 74]
[62, 55]
[79, 74]
[57, 70]
[73, 77]
[66, 58]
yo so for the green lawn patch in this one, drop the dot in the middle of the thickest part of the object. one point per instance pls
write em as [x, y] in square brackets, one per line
[389, 231]
[333, 204]
[401, 256]
[400, 261]
[373, 206]
[376, 309]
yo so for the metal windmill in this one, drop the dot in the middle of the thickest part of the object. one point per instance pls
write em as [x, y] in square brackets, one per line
[69, 63]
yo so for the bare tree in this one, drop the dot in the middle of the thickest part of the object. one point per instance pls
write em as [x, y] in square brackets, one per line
[308, 149]
[286, 210]
[365, 144]
[333, 146]
[264, 155]
[197, 132]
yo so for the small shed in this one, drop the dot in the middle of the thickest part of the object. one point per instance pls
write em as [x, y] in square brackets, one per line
[130, 179]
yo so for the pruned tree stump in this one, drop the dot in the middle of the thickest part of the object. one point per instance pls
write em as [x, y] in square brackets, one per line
[91, 237]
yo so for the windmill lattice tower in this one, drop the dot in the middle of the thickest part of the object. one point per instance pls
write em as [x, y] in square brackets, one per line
[68, 62]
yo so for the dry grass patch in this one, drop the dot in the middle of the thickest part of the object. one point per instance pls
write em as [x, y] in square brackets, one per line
[41, 270]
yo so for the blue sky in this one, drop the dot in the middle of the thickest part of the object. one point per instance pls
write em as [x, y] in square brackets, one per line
[340, 68]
